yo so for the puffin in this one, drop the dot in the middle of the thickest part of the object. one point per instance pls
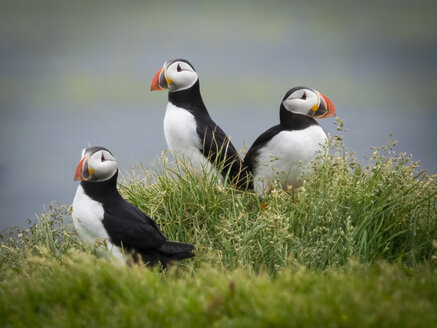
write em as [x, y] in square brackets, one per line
[285, 150]
[189, 130]
[101, 214]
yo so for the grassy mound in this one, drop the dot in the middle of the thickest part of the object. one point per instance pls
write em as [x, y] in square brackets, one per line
[344, 210]
[83, 291]
[352, 247]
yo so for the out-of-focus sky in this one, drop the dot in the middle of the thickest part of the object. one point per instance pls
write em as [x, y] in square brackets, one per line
[74, 73]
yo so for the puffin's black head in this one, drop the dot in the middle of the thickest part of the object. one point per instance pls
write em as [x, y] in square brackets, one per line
[309, 102]
[175, 75]
[97, 164]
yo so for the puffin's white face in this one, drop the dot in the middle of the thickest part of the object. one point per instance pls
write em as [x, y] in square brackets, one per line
[181, 76]
[97, 164]
[309, 102]
[302, 101]
[175, 75]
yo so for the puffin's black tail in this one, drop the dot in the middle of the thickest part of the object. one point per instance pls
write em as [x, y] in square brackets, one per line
[168, 252]
[243, 179]
[234, 170]
[181, 256]
[176, 250]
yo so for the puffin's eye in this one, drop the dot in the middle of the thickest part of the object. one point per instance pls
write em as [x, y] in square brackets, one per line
[304, 96]
[102, 159]
[179, 68]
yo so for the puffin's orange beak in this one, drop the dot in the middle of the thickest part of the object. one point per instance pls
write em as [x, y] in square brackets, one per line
[330, 108]
[82, 171]
[159, 81]
[326, 108]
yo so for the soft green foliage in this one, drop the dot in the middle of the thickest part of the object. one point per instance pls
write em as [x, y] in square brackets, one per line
[354, 246]
[85, 291]
[52, 231]
[344, 210]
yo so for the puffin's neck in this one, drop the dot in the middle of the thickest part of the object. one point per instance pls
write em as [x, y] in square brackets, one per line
[189, 99]
[102, 191]
[293, 121]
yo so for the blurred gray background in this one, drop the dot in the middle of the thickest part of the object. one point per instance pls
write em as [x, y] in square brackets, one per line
[74, 73]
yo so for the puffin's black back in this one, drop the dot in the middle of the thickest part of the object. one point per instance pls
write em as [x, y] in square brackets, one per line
[216, 145]
[130, 228]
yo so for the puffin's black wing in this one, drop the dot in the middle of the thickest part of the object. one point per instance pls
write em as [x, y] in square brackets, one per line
[218, 148]
[261, 141]
[130, 227]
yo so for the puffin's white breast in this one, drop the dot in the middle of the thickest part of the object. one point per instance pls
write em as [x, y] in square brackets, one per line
[180, 129]
[285, 157]
[87, 218]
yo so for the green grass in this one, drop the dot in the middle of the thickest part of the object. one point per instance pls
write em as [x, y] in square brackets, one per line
[84, 290]
[352, 247]
[345, 210]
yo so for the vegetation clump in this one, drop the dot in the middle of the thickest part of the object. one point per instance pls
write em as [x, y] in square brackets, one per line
[355, 245]
[385, 209]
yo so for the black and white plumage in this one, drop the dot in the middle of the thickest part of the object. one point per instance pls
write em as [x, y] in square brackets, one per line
[101, 214]
[282, 152]
[189, 130]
